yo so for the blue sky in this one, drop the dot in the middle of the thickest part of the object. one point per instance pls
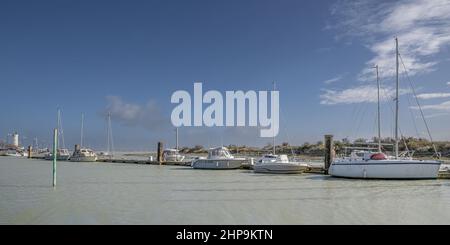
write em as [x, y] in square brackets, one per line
[130, 56]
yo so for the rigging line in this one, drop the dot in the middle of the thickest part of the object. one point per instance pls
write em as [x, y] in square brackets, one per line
[362, 118]
[413, 118]
[420, 107]
[393, 113]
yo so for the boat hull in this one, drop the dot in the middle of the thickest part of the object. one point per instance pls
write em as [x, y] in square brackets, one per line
[283, 168]
[83, 159]
[58, 157]
[219, 164]
[386, 169]
[178, 158]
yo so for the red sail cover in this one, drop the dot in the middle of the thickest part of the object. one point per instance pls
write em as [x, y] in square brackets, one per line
[378, 156]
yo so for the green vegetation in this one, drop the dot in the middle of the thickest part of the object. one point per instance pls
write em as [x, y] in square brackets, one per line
[421, 147]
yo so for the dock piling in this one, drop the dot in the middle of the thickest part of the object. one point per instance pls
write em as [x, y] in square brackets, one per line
[55, 153]
[30, 152]
[159, 157]
[329, 149]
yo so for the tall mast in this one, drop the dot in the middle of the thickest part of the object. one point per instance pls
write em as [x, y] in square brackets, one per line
[273, 133]
[60, 129]
[379, 112]
[110, 136]
[176, 137]
[396, 99]
[82, 119]
[108, 149]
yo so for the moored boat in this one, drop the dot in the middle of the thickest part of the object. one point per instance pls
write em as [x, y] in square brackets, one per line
[218, 158]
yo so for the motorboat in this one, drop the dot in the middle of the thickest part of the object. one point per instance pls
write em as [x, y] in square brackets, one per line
[278, 164]
[83, 155]
[61, 155]
[172, 155]
[218, 158]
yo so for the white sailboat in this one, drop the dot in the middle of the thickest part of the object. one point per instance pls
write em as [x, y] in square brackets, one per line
[81, 154]
[110, 142]
[173, 155]
[218, 158]
[376, 165]
[278, 164]
[62, 154]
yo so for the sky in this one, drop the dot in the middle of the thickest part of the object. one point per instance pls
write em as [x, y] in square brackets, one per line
[128, 57]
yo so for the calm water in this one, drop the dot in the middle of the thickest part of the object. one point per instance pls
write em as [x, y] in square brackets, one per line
[103, 193]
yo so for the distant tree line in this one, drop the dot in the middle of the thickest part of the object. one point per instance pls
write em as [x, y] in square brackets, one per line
[420, 146]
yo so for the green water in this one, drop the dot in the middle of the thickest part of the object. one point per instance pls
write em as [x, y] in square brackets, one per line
[111, 193]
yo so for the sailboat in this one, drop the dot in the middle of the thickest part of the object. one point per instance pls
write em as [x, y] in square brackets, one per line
[62, 154]
[173, 155]
[81, 154]
[110, 142]
[278, 164]
[377, 165]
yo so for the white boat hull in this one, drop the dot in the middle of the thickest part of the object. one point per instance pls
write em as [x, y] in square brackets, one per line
[280, 168]
[217, 164]
[58, 157]
[83, 159]
[386, 169]
[178, 158]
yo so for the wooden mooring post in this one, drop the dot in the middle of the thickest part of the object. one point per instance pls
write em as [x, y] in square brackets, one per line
[329, 151]
[159, 157]
[30, 152]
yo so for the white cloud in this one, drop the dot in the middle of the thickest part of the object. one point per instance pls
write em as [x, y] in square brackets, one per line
[433, 95]
[448, 83]
[334, 79]
[422, 26]
[360, 94]
[436, 115]
[147, 116]
[444, 106]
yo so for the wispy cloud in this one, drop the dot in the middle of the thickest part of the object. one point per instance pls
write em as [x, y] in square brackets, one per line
[334, 79]
[360, 94]
[134, 115]
[422, 26]
[433, 95]
[436, 115]
[444, 106]
[448, 83]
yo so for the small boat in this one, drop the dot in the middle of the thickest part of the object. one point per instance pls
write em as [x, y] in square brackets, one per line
[12, 153]
[109, 153]
[172, 155]
[61, 155]
[218, 158]
[83, 155]
[278, 164]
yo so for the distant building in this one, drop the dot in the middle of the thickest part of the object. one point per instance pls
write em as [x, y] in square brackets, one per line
[15, 139]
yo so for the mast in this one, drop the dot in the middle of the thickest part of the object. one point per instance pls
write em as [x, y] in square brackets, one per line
[379, 112]
[60, 129]
[273, 133]
[81, 140]
[396, 99]
[108, 149]
[176, 138]
[110, 136]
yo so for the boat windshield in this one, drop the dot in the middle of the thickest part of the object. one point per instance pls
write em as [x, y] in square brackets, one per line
[220, 152]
